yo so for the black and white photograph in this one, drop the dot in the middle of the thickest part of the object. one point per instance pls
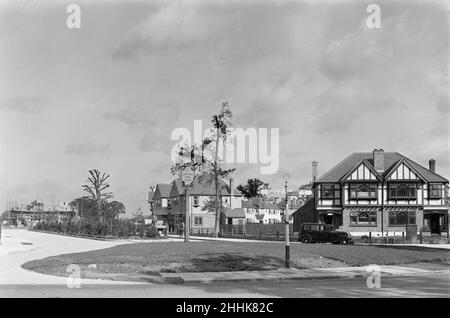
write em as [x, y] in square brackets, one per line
[223, 154]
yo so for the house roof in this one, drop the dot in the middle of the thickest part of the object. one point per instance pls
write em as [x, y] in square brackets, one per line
[177, 188]
[246, 204]
[151, 194]
[336, 173]
[306, 207]
[260, 203]
[162, 190]
[161, 211]
[204, 185]
[234, 213]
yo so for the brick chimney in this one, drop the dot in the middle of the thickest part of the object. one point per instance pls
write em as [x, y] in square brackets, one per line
[231, 190]
[378, 160]
[432, 164]
[314, 170]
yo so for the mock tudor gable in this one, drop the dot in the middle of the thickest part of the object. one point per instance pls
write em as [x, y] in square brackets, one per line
[381, 192]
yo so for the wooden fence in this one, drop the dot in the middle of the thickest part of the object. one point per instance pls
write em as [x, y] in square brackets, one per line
[256, 228]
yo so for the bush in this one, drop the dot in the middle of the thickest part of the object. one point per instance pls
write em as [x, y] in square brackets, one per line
[151, 231]
[122, 228]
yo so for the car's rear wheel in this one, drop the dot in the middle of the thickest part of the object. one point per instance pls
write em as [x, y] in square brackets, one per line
[306, 240]
[344, 241]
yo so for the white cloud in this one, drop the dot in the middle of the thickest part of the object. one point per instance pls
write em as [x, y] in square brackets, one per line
[175, 25]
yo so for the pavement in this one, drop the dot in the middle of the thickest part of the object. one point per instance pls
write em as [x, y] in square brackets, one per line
[389, 287]
[435, 246]
[205, 238]
[305, 274]
[14, 253]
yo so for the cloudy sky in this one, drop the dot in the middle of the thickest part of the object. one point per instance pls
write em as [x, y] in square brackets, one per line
[108, 95]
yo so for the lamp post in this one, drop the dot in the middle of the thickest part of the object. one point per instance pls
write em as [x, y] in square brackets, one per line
[286, 220]
[187, 176]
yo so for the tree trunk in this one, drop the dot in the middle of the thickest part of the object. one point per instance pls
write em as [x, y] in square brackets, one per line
[216, 186]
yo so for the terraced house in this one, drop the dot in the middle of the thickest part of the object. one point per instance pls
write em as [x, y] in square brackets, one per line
[379, 192]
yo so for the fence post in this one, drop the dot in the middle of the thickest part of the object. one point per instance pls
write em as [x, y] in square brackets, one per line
[394, 238]
[370, 238]
[278, 235]
[403, 237]
[420, 234]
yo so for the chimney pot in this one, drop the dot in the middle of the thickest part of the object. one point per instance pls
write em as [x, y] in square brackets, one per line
[231, 186]
[432, 164]
[378, 159]
[314, 170]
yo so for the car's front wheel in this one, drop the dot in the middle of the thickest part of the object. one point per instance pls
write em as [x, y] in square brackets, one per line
[344, 241]
[306, 240]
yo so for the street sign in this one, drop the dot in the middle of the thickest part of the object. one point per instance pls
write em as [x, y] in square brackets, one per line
[187, 176]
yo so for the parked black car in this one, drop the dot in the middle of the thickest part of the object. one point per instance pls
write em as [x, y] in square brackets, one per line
[323, 233]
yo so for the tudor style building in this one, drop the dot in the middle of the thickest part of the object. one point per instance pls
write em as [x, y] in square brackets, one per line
[379, 192]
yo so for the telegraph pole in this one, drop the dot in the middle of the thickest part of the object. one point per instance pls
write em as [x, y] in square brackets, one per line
[286, 220]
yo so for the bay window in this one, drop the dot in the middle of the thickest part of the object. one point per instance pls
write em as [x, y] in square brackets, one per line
[364, 191]
[402, 217]
[402, 191]
[328, 191]
[435, 191]
[363, 218]
[196, 201]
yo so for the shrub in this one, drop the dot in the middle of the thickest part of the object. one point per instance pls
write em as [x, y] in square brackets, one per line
[151, 231]
[119, 228]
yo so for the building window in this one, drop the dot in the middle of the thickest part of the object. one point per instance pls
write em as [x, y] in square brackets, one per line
[402, 218]
[435, 191]
[198, 220]
[402, 191]
[196, 204]
[363, 218]
[363, 191]
[328, 191]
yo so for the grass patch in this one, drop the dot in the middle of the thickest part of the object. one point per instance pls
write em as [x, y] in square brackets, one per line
[140, 260]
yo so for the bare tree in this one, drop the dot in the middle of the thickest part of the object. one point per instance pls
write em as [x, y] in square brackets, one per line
[96, 187]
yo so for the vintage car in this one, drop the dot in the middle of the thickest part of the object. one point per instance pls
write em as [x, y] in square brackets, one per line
[323, 233]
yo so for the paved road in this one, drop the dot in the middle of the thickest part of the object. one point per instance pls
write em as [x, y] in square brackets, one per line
[17, 282]
[418, 286]
[13, 253]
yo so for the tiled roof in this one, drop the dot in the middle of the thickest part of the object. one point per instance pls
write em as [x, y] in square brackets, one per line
[246, 204]
[306, 207]
[204, 185]
[234, 213]
[177, 188]
[336, 173]
[161, 211]
[162, 190]
[259, 203]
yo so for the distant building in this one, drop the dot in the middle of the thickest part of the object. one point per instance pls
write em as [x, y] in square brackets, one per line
[258, 210]
[30, 214]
